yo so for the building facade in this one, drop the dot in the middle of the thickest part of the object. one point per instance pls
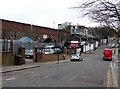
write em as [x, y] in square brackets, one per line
[11, 30]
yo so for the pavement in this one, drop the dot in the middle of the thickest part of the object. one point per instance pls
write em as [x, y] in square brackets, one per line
[114, 70]
[28, 65]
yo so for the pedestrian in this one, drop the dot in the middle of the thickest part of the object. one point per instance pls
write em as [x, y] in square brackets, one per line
[63, 57]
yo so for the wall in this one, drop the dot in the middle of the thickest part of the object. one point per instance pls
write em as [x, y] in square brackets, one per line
[7, 59]
[90, 47]
[49, 57]
[30, 30]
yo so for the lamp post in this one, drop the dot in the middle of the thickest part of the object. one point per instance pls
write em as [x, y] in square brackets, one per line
[14, 48]
[53, 24]
[85, 42]
[59, 27]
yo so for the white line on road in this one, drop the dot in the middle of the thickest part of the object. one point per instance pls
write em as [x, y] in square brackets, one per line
[12, 78]
[114, 65]
[45, 77]
[29, 73]
[108, 79]
[72, 78]
[110, 64]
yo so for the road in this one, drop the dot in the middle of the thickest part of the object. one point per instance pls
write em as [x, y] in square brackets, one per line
[91, 72]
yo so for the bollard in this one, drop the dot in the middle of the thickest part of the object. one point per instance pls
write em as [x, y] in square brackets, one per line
[35, 54]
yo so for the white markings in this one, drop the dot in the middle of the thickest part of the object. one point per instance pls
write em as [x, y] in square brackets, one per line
[12, 78]
[72, 78]
[114, 65]
[28, 73]
[45, 77]
[111, 64]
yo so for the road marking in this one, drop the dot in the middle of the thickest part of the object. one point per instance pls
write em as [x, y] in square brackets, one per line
[114, 65]
[28, 73]
[108, 79]
[72, 78]
[12, 78]
[45, 77]
[111, 64]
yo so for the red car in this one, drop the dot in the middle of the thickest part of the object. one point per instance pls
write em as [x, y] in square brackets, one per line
[107, 54]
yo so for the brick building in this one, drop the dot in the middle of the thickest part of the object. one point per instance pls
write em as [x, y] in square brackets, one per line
[12, 31]
[15, 30]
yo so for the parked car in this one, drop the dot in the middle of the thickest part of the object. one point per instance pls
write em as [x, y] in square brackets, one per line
[56, 50]
[29, 53]
[76, 57]
[51, 49]
[113, 45]
[48, 51]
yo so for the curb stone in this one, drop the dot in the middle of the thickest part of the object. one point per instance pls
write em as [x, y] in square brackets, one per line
[29, 67]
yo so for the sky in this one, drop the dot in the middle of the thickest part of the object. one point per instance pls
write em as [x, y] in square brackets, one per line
[47, 13]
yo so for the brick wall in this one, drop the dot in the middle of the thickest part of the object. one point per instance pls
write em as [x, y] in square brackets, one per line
[49, 57]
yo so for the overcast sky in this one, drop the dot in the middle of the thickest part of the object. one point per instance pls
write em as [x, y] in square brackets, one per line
[47, 13]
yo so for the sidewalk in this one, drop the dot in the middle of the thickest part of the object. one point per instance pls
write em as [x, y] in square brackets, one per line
[114, 69]
[29, 65]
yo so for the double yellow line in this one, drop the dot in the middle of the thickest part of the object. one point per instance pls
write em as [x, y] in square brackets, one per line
[108, 79]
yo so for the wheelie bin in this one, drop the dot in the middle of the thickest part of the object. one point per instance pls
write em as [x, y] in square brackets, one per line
[18, 59]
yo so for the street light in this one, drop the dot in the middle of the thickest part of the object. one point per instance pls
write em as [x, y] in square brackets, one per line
[85, 42]
[53, 24]
[59, 27]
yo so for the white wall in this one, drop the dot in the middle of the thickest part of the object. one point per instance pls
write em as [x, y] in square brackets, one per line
[78, 50]
[85, 48]
[89, 47]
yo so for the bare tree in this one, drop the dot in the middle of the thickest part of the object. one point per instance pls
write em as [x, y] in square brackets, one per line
[105, 12]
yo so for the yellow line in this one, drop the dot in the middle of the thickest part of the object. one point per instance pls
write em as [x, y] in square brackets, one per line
[108, 79]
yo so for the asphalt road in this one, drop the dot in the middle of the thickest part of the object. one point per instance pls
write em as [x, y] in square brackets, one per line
[91, 72]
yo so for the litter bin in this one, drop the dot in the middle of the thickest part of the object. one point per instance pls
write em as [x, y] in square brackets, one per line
[18, 59]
